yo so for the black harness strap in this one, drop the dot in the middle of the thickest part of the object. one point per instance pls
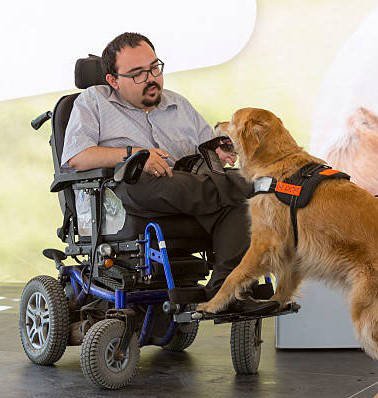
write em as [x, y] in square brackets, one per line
[297, 190]
[302, 178]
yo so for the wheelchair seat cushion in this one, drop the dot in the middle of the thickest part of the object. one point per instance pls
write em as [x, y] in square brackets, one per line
[181, 230]
[174, 226]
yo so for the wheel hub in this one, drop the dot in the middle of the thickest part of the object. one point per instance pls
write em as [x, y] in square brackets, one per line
[119, 355]
[37, 320]
[115, 359]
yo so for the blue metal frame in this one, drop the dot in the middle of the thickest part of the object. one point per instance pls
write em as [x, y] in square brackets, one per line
[161, 257]
[158, 256]
[123, 299]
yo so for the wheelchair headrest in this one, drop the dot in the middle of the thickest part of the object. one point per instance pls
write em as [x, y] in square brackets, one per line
[89, 72]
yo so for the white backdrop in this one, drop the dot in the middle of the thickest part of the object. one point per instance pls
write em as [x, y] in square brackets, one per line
[351, 82]
[41, 39]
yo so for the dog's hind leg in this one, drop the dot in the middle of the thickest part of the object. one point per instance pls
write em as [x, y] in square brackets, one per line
[256, 262]
[364, 309]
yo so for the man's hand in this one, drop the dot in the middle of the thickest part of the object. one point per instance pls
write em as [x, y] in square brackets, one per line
[156, 164]
[226, 157]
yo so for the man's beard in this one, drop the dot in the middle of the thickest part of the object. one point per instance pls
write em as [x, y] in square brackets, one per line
[148, 103]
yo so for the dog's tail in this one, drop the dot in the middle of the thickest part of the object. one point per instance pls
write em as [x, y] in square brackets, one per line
[364, 308]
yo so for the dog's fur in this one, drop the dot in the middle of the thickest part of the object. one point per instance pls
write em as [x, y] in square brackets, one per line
[337, 230]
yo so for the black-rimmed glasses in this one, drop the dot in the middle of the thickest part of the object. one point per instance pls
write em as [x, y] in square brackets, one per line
[142, 75]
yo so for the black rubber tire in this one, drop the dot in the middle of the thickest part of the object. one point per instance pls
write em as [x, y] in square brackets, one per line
[93, 350]
[184, 335]
[58, 328]
[245, 344]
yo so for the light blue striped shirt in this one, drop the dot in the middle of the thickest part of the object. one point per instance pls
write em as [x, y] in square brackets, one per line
[101, 118]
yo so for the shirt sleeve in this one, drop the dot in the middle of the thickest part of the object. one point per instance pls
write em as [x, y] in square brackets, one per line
[82, 129]
[204, 131]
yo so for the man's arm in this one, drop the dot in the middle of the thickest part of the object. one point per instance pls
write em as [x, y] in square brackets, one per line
[98, 157]
[81, 150]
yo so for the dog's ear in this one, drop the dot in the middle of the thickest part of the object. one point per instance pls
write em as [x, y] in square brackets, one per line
[250, 138]
[221, 128]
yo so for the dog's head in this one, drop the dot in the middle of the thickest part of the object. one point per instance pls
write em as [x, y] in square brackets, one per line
[258, 135]
[251, 128]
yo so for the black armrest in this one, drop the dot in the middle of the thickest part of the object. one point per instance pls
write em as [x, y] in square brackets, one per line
[64, 180]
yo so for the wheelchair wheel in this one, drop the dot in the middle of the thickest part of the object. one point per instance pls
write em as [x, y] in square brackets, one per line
[98, 357]
[184, 335]
[44, 320]
[246, 346]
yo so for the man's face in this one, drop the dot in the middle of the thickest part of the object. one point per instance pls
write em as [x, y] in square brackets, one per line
[130, 60]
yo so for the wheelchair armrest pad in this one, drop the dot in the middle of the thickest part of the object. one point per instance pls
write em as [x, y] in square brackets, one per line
[64, 180]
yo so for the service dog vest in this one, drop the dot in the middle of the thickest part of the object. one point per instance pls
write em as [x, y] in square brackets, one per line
[297, 190]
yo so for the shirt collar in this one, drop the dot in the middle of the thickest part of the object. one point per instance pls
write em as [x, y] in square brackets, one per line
[166, 101]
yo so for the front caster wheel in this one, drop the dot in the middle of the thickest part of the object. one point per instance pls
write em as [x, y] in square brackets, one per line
[44, 320]
[102, 364]
[246, 346]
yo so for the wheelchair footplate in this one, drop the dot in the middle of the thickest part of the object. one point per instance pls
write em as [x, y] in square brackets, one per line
[227, 317]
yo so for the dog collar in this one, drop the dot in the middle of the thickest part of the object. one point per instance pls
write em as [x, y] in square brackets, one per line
[271, 185]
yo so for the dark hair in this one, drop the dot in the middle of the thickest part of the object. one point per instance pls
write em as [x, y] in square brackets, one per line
[127, 39]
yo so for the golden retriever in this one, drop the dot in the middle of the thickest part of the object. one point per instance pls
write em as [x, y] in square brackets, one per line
[337, 230]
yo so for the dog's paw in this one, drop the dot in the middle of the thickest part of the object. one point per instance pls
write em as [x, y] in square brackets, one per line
[283, 301]
[242, 295]
[208, 307]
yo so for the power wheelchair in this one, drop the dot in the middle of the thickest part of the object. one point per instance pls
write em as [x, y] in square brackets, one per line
[125, 289]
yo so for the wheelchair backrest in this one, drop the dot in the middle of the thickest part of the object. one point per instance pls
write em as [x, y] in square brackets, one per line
[88, 72]
[60, 117]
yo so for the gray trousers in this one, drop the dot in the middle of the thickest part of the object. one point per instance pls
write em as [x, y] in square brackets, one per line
[217, 202]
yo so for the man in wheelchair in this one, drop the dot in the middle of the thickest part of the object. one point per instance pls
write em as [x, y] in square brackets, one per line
[132, 112]
[127, 167]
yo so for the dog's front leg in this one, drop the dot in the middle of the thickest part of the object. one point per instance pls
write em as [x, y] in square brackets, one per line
[287, 284]
[256, 262]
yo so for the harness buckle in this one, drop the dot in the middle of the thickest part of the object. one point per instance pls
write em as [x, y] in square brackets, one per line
[262, 184]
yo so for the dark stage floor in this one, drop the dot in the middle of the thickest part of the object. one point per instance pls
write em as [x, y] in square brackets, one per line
[204, 370]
